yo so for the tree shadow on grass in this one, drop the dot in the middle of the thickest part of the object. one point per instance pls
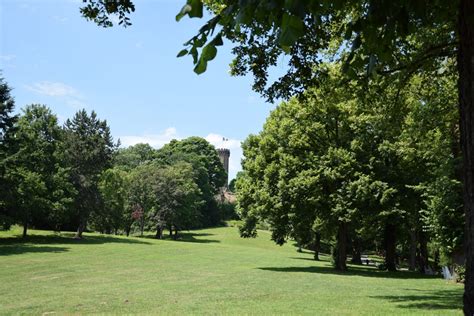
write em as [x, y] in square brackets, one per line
[188, 237]
[35, 243]
[426, 299]
[322, 257]
[196, 237]
[18, 249]
[371, 272]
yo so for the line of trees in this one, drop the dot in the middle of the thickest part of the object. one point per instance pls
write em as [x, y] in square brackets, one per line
[372, 170]
[75, 177]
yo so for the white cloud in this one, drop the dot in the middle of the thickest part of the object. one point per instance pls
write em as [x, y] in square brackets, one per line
[218, 140]
[155, 140]
[53, 89]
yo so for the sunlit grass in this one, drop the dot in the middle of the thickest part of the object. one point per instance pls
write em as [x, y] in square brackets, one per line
[210, 271]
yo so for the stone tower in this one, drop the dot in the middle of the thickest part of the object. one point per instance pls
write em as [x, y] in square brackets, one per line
[224, 155]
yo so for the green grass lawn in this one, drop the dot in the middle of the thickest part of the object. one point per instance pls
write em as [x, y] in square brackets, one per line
[210, 271]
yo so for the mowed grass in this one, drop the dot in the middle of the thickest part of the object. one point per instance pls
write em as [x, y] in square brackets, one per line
[210, 271]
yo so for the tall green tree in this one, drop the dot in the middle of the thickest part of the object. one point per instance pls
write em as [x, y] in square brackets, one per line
[41, 184]
[115, 214]
[88, 149]
[178, 198]
[210, 172]
[7, 147]
[133, 156]
[430, 140]
[141, 194]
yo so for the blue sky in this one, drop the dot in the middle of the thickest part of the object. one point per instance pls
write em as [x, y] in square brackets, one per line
[130, 76]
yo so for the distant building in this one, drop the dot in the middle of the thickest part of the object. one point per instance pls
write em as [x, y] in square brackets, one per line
[224, 195]
[224, 155]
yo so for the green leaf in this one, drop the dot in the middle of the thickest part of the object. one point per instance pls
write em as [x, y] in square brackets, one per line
[184, 10]
[217, 41]
[201, 66]
[209, 52]
[196, 11]
[292, 28]
[182, 53]
[193, 8]
[194, 53]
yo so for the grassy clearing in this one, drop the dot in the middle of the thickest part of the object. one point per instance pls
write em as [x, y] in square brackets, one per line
[210, 271]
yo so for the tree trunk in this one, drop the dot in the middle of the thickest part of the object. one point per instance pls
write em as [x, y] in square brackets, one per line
[298, 245]
[127, 231]
[390, 246]
[341, 250]
[436, 261]
[466, 111]
[423, 261]
[356, 251]
[175, 237]
[317, 246]
[159, 232]
[80, 228]
[142, 225]
[412, 259]
[25, 228]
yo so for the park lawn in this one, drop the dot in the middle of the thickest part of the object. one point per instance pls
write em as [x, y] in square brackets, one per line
[210, 271]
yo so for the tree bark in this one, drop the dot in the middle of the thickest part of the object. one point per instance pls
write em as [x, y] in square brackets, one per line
[80, 228]
[159, 232]
[466, 111]
[436, 261]
[142, 225]
[412, 259]
[356, 251]
[390, 246]
[423, 261]
[317, 245]
[25, 228]
[341, 251]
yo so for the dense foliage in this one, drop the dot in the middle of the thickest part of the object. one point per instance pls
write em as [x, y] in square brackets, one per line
[7, 147]
[76, 178]
[370, 178]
